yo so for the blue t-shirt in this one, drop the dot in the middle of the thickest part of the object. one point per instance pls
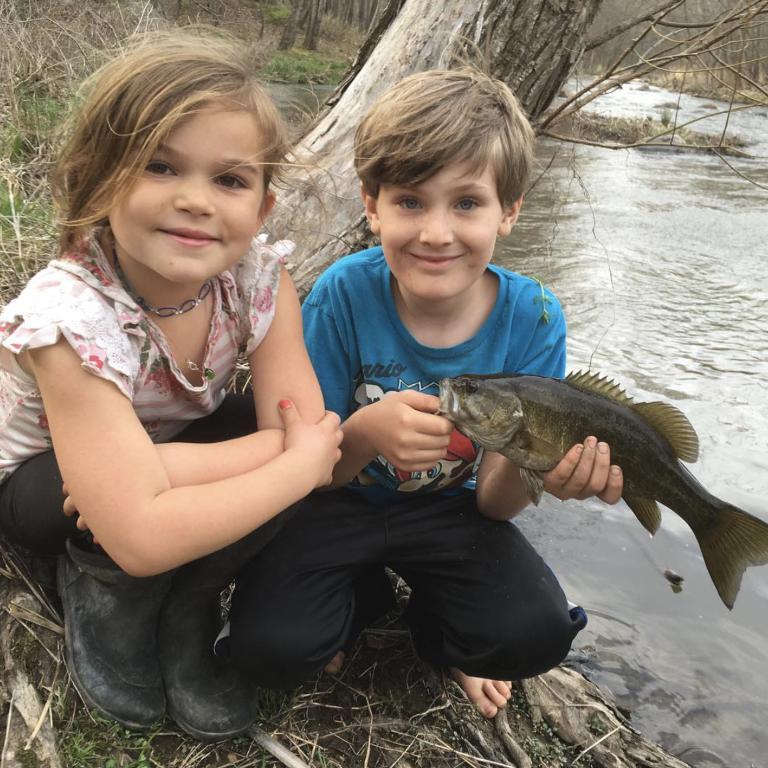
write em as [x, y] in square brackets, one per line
[361, 351]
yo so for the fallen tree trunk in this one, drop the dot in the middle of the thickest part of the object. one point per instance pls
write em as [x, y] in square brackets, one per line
[531, 44]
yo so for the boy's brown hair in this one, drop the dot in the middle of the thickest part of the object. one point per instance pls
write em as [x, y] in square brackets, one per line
[433, 119]
[130, 105]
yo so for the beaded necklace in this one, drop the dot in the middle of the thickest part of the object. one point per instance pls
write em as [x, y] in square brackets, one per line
[186, 306]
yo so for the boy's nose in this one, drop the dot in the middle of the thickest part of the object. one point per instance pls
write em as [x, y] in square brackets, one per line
[436, 229]
[193, 196]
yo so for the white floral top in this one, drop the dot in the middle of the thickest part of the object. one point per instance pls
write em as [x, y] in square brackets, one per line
[79, 297]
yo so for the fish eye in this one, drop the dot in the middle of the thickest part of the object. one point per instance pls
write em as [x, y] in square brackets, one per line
[471, 386]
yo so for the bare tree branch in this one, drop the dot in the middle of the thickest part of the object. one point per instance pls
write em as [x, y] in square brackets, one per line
[619, 29]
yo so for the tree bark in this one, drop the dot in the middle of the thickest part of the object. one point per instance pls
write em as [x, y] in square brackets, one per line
[531, 44]
[314, 19]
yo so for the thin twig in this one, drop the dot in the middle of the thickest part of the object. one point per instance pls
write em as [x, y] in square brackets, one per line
[7, 730]
[275, 748]
[46, 708]
[592, 746]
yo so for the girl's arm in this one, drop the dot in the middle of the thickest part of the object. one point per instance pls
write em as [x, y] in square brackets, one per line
[194, 463]
[120, 486]
[280, 366]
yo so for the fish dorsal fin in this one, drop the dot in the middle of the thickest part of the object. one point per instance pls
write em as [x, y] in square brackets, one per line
[672, 424]
[594, 383]
[646, 511]
[667, 420]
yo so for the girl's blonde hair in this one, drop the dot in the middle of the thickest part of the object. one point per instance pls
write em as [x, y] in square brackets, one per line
[129, 106]
[433, 119]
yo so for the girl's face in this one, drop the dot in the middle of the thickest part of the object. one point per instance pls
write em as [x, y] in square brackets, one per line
[196, 207]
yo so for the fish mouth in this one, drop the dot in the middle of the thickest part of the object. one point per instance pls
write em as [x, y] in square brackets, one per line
[449, 402]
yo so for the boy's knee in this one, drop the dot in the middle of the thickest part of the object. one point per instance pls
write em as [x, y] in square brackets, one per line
[533, 647]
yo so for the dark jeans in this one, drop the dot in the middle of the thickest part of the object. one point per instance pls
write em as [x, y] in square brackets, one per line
[482, 599]
[31, 499]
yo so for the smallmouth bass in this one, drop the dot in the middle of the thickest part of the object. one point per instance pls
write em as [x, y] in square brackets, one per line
[535, 420]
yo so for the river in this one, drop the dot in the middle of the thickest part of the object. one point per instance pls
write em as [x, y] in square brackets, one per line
[661, 263]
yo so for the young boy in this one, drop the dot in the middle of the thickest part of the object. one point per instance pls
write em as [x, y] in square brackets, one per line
[443, 158]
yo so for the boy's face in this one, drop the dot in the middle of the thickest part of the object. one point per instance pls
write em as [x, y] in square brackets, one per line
[438, 236]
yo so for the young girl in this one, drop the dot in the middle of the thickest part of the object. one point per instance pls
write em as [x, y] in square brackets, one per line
[127, 341]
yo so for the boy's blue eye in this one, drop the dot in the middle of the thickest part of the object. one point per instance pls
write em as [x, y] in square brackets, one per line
[231, 181]
[409, 203]
[466, 204]
[158, 167]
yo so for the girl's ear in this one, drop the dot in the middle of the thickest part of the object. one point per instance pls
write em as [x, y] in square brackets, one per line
[509, 217]
[370, 212]
[267, 204]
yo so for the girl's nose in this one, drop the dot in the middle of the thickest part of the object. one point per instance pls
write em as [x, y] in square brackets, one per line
[436, 229]
[193, 195]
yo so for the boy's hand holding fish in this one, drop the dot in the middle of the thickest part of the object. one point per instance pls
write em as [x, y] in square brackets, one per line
[404, 428]
[585, 471]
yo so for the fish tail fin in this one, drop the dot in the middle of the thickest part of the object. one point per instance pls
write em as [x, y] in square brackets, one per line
[734, 542]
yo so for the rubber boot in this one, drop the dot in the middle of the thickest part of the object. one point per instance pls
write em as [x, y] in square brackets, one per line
[110, 627]
[205, 694]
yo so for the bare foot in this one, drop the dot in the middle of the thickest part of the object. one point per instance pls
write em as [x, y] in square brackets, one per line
[333, 667]
[487, 695]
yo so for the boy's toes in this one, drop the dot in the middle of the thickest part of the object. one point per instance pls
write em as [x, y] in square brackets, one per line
[487, 695]
[333, 667]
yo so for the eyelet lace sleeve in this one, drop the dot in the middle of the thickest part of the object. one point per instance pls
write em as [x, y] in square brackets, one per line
[258, 277]
[103, 334]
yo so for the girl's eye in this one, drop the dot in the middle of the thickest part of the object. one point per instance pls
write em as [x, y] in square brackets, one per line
[231, 181]
[158, 167]
[466, 204]
[409, 203]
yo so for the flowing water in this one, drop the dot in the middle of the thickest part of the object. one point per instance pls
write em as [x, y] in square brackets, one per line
[661, 263]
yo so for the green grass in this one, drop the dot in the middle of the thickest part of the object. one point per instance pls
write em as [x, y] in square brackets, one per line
[276, 14]
[302, 66]
[34, 121]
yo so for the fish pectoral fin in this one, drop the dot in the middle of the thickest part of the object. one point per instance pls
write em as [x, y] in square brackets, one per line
[646, 511]
[542, 455]
[534, 483]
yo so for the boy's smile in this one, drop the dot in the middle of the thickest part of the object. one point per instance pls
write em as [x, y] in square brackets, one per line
[438, 236]
[194, 210]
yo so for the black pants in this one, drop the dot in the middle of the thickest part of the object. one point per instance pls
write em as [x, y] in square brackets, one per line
[482, 599]
[31, 499]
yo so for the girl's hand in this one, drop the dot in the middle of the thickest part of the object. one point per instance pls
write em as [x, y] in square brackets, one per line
[586, 471]
[70, 509]
[316, 446]
[405, 428]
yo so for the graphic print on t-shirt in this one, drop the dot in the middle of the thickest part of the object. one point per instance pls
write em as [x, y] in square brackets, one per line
[456, 468]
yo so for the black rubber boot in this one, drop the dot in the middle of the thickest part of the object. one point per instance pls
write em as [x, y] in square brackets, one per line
[205, 694]
[110, 625]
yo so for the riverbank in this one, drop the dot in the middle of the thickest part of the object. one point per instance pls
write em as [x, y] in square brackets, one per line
[642, 133]
[385, 708]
